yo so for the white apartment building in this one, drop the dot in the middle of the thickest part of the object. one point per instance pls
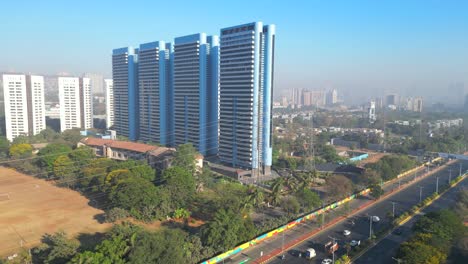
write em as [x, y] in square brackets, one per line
[109, 86]
[76, 109]
[24, 104]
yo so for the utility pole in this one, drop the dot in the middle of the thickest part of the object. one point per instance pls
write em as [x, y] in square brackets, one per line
[399, 183]
[333, 251]
[437, 185]
[393, 209]
[450, 175]
[370, 227]
[420, 193]
[460, 169]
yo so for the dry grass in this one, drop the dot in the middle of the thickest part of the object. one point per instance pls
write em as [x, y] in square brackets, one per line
[36, 207]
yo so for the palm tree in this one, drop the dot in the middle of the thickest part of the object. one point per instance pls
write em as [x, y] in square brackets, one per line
[292, 183]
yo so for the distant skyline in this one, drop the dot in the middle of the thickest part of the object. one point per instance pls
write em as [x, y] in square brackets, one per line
[361, 48]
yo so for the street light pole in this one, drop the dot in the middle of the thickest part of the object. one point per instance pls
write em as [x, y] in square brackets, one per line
[333, 251]
[282, 246]
[450, 176]
[370, 227]
[437, 185]
[393, 209]
[460, 169]
[420, 193]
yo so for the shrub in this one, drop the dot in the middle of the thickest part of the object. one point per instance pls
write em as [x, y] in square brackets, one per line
[115, 214]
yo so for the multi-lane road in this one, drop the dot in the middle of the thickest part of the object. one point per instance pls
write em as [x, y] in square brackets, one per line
[402, 200]
[387, 247]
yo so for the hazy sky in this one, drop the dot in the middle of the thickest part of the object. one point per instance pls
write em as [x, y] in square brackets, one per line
[361, 48]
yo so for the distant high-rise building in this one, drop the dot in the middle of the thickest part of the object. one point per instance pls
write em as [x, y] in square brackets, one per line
[24, 105]
[97, 82]
[392, 99]
[409, 104]
[332, 97]
[196, 96]
[296, 97]
[246, 92]
[75, 103]
[125, 79]
[306, 98]
[418, 104]
[284, 101]
[371, 112]
[109, 85]
[317, 98]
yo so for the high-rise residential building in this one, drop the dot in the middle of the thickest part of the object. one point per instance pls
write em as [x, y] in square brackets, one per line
[371, 112]
[24, 104]
[155, 91]
[109, 86]
[306, 98]
[392, 99]
[284, 101]
[331, 97]
[86, 103]
[196, 92]
[126, 108]
[418, 104]
[75, 103]
[317, 98]
[296, 97]
[97, 82]
[246, 91]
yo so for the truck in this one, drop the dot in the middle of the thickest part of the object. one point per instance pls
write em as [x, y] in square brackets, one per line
[331, 247]
[310, 253]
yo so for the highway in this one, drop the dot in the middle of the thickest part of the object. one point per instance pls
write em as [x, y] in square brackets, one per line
[403, 201]
[386, 248]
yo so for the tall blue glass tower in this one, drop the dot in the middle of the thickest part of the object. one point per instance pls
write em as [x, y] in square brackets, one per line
[154, 92]
[126, 105]
[246, 91]
[196, 92]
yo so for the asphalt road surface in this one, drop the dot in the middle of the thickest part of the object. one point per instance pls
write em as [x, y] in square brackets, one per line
[387, 248]
[404, 200]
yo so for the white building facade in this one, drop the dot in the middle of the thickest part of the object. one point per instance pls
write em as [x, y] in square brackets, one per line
[24, 104]
[109, 86]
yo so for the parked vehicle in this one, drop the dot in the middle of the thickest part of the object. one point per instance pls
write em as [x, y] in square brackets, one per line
[310, 253]
[327, 261]
[354, 243]
[346, 233]
[375, 218]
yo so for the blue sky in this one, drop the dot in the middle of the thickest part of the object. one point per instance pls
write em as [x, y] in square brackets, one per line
[413, 47]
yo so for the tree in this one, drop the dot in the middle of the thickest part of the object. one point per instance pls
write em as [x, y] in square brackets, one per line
[64, 171]
[339, 186]
[144, 171]
[184, 157]
[82, 156]
[4, 147]
[308, 199]
[50, 153]
[20, 151]
[418, 252]
[138, 196]
[343, 260]
[181, 185]
[290, 205]
[161, 247]
[226, 230]
[376, 191]
[72, 136]
[116, 176]
[181, 213]
[56, 248]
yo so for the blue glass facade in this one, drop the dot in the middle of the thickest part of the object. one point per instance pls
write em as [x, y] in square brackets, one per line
[214, 92]
[246, 89]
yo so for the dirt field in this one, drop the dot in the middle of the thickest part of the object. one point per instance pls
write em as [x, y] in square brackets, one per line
[30, 207]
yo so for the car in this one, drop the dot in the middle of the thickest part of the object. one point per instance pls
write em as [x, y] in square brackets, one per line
[354, 243]
[327, 261]
[346, 233]
[375, 218]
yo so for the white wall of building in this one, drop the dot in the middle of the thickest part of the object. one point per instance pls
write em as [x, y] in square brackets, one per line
[109, 86]
[37, 104]
[16, 110]
[87, 103]
[69, 96]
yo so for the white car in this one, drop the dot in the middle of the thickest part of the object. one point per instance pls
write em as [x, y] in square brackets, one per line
[346, 233]
[354, 243]
[375, 218]
[327, 261]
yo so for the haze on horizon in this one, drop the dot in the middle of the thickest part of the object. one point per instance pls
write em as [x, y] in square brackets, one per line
[361, 48]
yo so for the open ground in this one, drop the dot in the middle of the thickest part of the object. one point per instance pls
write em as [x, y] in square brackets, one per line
[31, 207]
